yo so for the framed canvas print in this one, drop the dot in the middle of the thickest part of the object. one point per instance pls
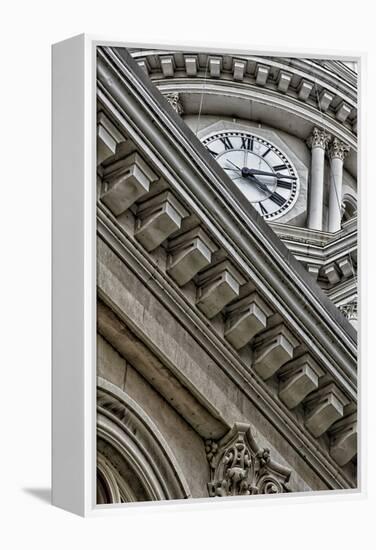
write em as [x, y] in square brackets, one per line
[205, 286]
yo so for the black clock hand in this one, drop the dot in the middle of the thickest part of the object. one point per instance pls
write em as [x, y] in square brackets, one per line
[259, 184]
[237, 167]
[262, 173]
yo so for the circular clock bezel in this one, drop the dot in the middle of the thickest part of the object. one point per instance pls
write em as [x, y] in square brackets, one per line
[295, 188]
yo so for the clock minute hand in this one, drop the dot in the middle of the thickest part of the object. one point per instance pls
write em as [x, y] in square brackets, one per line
[259, 184]
[274, 174]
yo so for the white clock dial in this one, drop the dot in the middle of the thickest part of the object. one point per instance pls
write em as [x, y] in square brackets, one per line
[260, 170]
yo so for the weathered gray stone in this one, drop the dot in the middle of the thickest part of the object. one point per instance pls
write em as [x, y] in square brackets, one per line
[218, 286]
[273, 348]
[297, 379]
[344, 440]
[127, 181]
[324, 407]
[245, 319]
[188, 254]
[157, 219]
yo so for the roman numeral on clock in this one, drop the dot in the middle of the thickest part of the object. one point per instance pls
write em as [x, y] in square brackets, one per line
[247, 143]
[277, 199]
[280, 167]
[284, 184]
[227, 143]
[214, 153]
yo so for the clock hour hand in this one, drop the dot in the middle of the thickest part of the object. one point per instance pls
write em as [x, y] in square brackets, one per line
[262, 173]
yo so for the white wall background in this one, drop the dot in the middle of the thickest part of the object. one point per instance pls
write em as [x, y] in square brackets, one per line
[27, 30]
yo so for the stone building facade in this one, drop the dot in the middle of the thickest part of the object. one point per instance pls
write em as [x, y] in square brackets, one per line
[227, 275]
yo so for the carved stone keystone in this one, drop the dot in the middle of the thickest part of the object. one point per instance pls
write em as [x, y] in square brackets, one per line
[189, 253]
[344, 440]
[127, 180]
[245, 319]
[157, 219]
[324, 407]
[297, 379]
[218, 286]
[273, 349]
[239, 467]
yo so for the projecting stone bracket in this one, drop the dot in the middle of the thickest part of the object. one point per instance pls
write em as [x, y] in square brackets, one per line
[298, 378]
[108, 136]
[239, 467]
[188, 254]
[323, 408]
[217, 287]
[126, 181]
[273, 349]
[344, 440]
[245, 319]
[157, 219]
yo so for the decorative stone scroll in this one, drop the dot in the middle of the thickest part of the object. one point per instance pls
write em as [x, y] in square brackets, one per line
[174, 100]
[239, 467]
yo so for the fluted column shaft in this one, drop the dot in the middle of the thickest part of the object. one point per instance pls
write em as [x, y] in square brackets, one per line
[318, 142]
[337, 154]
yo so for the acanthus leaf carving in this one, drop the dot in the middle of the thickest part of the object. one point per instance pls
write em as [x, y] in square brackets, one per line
[239, 467]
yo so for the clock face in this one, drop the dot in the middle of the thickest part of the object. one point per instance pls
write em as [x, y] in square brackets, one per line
[259, 169]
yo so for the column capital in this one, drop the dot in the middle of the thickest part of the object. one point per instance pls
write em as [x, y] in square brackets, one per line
[174, 100]
[318, 138]
[338, 149]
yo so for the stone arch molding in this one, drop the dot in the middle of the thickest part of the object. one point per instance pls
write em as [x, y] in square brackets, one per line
[239, 467]
[134, 461]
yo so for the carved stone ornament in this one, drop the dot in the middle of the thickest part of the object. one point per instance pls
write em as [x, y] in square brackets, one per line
[174, 100]
[338, 149]
[350, 310]
[239, 467]
[318, 138]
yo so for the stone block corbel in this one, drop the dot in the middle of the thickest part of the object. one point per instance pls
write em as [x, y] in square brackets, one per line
[157, 218]
[344, 440]
[297, 379]
[273, 348]
[188, 254]
[126, 181]
[323, 408]
[217, 287]
[245, 319]
[262, 73]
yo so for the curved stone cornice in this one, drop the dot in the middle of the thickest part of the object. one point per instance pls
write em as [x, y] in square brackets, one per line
[302, 79]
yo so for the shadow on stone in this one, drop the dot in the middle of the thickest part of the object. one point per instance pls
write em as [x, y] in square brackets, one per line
[41, 493]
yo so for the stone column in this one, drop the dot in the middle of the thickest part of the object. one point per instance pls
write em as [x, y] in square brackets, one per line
[317, 142]
[337, 154]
